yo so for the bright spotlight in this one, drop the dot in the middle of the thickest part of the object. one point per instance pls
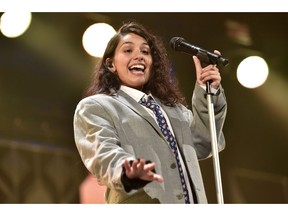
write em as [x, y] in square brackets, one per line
[252, 72]
[15, 23]
[96, 38]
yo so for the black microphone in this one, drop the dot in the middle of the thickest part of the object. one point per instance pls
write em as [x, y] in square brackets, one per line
[206, 57]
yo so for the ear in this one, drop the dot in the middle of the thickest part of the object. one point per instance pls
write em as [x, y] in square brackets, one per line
[110, 65]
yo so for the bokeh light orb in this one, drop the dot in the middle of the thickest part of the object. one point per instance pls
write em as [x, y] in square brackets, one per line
[15, 23]
[96, 38]
[252, 72]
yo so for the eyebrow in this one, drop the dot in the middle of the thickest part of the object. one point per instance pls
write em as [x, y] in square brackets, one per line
[129, 42]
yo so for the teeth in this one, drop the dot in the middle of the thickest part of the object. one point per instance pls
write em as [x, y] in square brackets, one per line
[139, 67]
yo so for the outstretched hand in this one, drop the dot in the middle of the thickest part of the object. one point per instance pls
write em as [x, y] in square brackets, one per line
[210, 72]
[138, 169]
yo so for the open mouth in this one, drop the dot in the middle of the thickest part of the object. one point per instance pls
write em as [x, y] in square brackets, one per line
[137, 67]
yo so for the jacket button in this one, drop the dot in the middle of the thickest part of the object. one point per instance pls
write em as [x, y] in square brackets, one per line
[173, 166]
[179, 196]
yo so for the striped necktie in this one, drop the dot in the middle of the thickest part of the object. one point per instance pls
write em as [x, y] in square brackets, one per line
[151, 104]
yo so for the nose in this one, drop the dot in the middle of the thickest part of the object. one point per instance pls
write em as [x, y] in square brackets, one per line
[138, 55]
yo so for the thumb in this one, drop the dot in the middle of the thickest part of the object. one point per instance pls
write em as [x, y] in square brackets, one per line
[198, 68]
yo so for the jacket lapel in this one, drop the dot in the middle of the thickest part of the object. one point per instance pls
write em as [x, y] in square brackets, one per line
[174, 116]
[124, 98]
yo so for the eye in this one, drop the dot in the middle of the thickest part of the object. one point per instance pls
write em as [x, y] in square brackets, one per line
[128, 50]
[146, 52]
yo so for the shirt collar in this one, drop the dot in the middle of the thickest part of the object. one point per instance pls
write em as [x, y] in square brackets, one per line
[134, 93]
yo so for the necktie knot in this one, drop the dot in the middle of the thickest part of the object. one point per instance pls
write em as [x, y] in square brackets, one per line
[148, 102]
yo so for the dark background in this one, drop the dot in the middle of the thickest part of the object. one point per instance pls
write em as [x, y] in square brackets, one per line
[44, 72]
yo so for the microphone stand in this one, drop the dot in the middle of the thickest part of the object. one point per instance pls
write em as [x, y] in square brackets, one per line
[215, 157]
[205, 59]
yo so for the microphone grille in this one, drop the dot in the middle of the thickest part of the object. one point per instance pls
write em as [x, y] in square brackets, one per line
[174, 42]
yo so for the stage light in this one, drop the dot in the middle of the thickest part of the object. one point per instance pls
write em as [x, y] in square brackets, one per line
[15, 23]
[252, 72]
[96, 37]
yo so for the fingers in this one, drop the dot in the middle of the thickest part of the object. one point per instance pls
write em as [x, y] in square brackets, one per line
[149, 175]
[138, 169]
[210, 73]
[158, 178]
[217, 52]
[138, 165]
[127, 166]
[197, 63]
[134, 170]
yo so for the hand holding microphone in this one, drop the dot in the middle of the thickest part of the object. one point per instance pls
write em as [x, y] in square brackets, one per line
[206, 71]
[206, 57]
[208, 75]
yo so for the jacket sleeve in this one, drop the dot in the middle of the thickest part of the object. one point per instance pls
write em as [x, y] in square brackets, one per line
[200, 125]
[98, 143]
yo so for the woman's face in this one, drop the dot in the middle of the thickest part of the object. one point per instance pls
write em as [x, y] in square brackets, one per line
[132, 61]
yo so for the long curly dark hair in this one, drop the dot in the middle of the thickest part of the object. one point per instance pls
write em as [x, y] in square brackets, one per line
[160, 84]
